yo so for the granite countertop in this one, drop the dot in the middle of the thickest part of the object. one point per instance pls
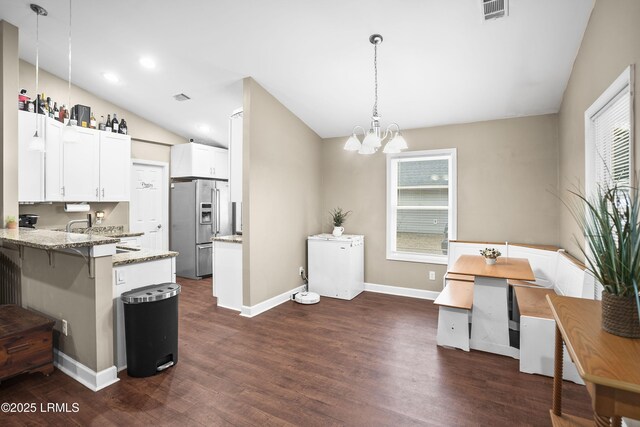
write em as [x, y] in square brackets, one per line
[136, 255]
[52, 240]
[228, 239]
[103, 230]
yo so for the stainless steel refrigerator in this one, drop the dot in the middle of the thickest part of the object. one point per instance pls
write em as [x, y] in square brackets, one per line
[200, 210]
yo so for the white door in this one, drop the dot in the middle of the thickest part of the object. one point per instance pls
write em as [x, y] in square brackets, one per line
[148, 209]
[115, 161]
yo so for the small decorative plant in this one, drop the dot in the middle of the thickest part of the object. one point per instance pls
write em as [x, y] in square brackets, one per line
[492, 253]
[610, 224]
[11, 222]
[339, 216]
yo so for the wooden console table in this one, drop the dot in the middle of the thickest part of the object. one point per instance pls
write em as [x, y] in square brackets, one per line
[608, 364]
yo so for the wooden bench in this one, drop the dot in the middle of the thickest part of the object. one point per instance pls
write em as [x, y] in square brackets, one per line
[537, 332]
[455, 303]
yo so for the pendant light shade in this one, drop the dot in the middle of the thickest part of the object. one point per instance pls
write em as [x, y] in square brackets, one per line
[352, 143]
[373, 139]
[36, 143]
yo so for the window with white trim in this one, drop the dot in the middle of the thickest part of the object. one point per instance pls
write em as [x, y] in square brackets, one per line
[609, 140]
[609, 136]
[421, 205]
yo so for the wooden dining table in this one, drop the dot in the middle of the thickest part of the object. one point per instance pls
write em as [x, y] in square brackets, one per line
[490, 312]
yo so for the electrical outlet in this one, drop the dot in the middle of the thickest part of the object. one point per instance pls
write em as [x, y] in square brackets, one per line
[432, 275]
[300, 271]
[65, 328]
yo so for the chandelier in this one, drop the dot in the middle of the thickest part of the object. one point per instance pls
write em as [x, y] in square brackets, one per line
[373, 139]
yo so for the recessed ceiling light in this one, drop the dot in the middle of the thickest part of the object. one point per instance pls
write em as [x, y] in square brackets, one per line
[204, 128]
[148, 62]
[111, 77]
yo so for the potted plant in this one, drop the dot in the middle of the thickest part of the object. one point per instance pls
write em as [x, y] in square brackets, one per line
[611, 247]
[11, 223]
[338, 217]
[490, 255]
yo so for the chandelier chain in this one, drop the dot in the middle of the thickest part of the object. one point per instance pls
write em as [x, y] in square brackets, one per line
[375, 68]
[69, 81]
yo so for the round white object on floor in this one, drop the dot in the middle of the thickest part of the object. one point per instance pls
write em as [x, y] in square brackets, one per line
[307, 298]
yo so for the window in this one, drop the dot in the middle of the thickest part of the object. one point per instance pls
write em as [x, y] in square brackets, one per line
[609, 135]
[609, 139]
[421, 205]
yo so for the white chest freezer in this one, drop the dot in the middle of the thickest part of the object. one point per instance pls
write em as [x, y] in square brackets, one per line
[336, 265]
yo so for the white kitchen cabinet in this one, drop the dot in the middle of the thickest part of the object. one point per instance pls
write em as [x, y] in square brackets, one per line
[227, 274]
[81, 171]
[95, 168]
[115, 167]
[30, 163]
[53, 161]
[235, 156]
[199, 161]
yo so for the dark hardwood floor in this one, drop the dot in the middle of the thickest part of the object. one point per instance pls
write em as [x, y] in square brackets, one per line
[372, 361]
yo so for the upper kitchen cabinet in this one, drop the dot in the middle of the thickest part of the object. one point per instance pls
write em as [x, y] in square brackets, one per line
[115, 167]
[199, 161]
[81, 171]
[30, 162]
[235, 156]
[94, 168]
[39, 173]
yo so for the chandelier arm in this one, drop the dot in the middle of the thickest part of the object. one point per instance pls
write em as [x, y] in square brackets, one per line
[355, 128]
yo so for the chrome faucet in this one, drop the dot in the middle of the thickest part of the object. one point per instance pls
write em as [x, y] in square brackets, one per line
[79, 221]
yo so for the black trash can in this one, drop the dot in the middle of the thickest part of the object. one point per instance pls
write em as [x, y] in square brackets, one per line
[151, 328]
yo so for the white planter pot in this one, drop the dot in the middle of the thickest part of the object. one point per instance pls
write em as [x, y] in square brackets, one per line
[337, 231]
[490, 261]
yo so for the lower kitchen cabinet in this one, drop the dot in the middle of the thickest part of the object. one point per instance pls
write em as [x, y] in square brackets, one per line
[227, 274]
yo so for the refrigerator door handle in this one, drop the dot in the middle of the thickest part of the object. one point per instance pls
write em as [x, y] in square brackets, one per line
[215, 213]
[218, 210]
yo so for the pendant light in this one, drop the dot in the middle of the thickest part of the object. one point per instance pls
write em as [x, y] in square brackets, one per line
[69, 132]
[372, 140]
[37, 141]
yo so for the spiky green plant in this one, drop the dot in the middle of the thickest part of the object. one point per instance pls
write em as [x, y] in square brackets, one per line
[609, 221]
[339, 216]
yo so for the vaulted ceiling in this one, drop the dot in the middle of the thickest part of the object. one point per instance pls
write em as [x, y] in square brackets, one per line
[440, 62]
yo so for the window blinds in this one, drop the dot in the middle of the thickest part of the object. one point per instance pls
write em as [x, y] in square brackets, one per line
[611, 126]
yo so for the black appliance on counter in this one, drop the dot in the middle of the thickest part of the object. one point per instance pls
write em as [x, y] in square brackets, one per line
[28, 220]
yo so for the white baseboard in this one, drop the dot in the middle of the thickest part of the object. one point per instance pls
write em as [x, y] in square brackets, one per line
[254, 310]
[402, 292]
[87, 377]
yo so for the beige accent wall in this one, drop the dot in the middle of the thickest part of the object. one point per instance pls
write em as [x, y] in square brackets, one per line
[611, 42]
[507, 181]
[281, 194]
[64, 290]
[8, 121]
[57, 89]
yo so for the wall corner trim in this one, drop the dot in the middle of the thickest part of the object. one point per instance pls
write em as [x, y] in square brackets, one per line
[254, 310]
[401, 292]
[86, 376]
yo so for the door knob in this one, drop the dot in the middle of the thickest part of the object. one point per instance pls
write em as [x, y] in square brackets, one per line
[159, 225]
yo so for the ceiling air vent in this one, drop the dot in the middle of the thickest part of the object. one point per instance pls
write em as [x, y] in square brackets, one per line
[495, 9]
[181, 97]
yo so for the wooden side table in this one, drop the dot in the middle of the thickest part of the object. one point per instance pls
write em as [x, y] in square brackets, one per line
[608, 364]
[26, 342]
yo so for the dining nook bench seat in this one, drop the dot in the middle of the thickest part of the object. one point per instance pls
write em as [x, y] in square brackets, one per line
[455, 303]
